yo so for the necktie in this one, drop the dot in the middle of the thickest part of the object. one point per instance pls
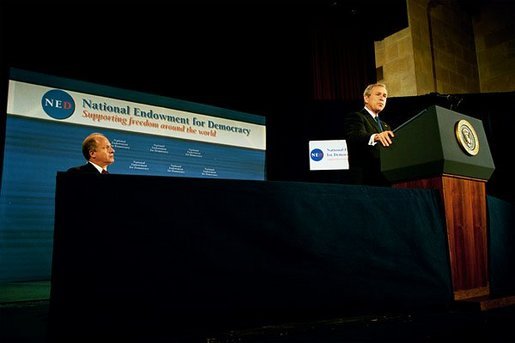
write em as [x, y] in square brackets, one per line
[379, 124]
[104, 171]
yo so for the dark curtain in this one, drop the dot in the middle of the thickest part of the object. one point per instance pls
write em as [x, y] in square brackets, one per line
[343, 60]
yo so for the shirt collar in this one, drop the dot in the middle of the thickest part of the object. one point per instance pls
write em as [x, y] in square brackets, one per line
[99, 168]
[371, 113]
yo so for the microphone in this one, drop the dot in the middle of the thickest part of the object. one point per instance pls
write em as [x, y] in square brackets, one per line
[454, 100]
[445, 96]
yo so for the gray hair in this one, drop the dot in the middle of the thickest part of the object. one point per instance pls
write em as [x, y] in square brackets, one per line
[90, 144]
[369, 88]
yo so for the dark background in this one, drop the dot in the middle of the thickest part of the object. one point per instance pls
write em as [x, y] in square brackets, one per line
[241, 54]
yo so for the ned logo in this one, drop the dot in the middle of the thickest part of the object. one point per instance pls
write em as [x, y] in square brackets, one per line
[317, 155]
[58, 104]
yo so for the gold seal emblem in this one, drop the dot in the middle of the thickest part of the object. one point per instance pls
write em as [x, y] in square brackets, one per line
[467, 137]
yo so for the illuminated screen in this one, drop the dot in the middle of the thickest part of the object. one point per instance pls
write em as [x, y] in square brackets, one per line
[48, 118]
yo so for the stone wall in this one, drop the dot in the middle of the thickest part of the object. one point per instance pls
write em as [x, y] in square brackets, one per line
[450, 48]
[494, 29]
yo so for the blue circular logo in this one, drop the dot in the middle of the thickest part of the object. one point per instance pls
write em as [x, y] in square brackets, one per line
[58, 104]
[317, 154]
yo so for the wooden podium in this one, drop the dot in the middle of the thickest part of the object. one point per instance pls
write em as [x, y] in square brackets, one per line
[448, 151]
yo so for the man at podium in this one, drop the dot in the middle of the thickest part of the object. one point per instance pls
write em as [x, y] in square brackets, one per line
[364, 131]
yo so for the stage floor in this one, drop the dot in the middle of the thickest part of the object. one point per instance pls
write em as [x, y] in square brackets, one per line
[24, 317]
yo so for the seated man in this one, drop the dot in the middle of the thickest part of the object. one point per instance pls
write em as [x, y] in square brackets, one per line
[99, 153]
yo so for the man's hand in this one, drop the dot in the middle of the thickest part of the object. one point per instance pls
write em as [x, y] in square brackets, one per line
[384, 137]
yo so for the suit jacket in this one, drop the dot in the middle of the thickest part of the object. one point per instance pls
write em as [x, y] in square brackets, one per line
[364, 162]
[87, 168]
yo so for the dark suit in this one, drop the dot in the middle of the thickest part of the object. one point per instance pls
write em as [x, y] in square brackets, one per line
[364, 162]
[87, 168]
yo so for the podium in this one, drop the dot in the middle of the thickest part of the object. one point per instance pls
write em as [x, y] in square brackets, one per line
[448, 151]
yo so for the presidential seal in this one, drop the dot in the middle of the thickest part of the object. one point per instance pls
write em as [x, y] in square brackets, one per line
[467, 137]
